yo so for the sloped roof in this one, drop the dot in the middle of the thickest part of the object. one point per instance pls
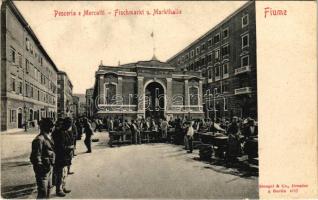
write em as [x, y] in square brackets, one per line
[153, 63]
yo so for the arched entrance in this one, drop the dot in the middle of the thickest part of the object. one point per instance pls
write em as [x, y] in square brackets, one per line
[154, 100]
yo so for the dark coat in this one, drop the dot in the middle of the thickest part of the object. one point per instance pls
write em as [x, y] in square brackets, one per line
[75, 132]
[69, 145]
[88, 129]
[79, 127]
[233, 129]
[60, 140]
[42, 156]
[247, 131]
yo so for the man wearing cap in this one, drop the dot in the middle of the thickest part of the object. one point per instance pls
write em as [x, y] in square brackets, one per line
[43, 158]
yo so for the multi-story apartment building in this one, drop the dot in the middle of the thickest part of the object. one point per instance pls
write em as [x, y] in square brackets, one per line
[65, 95]
[89, 102]
[226, 56]
[28, 74]
[75, 107]
[81, 103]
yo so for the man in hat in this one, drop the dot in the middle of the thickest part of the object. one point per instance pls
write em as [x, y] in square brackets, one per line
[43, 158]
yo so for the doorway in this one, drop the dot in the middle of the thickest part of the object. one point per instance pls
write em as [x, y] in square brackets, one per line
[20, 122]
[154, 101]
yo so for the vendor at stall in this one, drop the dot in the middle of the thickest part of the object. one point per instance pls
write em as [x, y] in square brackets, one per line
[189, 135]
[233, 141]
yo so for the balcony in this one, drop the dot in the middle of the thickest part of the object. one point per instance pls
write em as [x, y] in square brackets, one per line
[244, 90]
[242, 70]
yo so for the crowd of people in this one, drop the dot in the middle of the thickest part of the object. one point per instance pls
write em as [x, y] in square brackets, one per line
[139, 127]
[55, 146]
[184, 130]
[53, 150]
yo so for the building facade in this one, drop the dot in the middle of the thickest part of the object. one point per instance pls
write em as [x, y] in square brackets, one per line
[81, 104]
[89, 103]
[65, 95]
[28, 75]
[226, 56]
[75, 107]
[147, 89]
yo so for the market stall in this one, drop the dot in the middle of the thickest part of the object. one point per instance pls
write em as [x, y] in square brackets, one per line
[119, 137]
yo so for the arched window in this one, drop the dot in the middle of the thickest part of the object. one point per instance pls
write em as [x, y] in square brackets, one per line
[194, 95]
[110, 93]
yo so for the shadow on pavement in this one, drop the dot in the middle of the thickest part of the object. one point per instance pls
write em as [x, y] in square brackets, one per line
[240, 169]
[80, 153]
[14, 164]
[25, 155]
[19, 191]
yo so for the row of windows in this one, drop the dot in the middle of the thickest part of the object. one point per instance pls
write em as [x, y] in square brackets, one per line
[213, 40]
[38, 76]
[223, 71]
[220, 89]
[218, 104]
[224, 52]
[30, 91]
[200, 64]
[31, 115]
[111, 98]
[65, 82]
[201, 48]
[16, 59]
[30, 48]
[218, 70]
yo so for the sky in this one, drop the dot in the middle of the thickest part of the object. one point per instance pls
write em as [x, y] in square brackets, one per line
[78, 44]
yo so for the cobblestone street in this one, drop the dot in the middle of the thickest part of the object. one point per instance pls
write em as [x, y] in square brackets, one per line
[131, 171]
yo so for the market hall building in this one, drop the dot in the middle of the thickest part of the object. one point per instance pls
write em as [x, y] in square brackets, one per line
[147, 89]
